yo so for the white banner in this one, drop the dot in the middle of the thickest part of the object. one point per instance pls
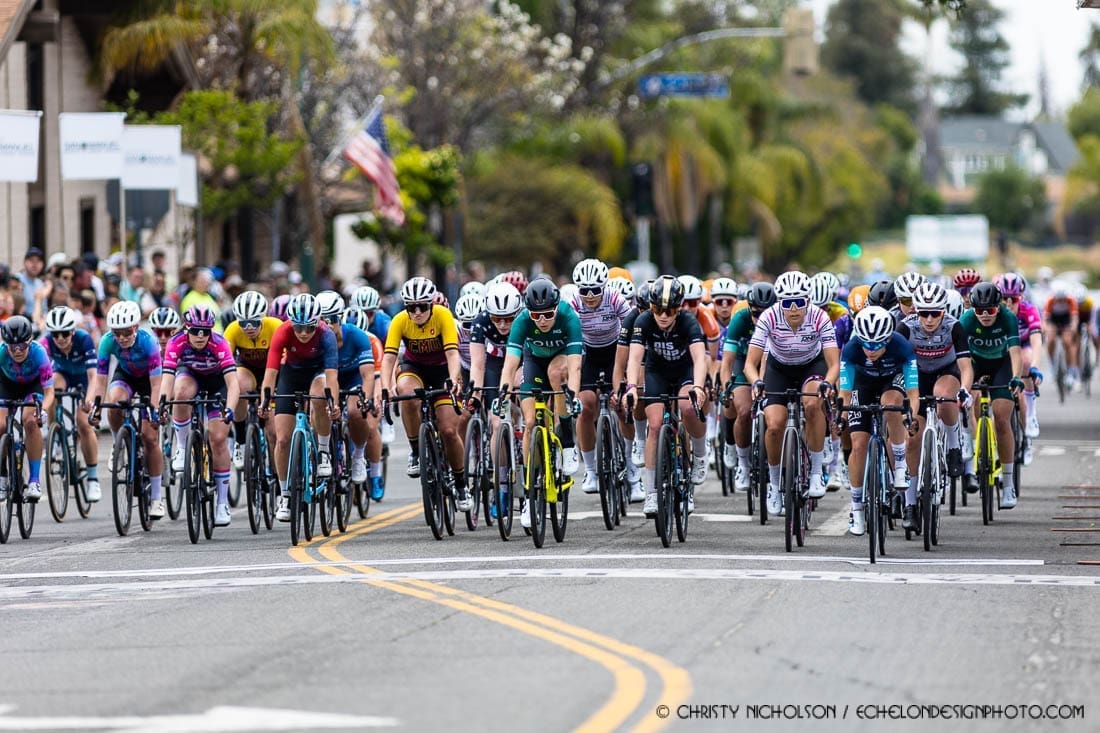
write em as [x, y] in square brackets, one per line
[947, 238]
[188, 192]
[91, 145]
[19, 145]
[151, 157]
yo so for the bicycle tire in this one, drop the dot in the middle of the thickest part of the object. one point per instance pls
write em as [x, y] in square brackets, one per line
[759, 468]
[141, 490]
[25, 509]
[928, 480]
[872, 490]
[475, 469]
[78, 473]
[985, 469]
[683, 491]
[719, 464]
[296, 486]
[57, 472]
[502, 489]
[609, 495]
[325, 497]
[1019, 439]
[253, 478]
[172, 483]
[309, 508]
[431, 482]
[345, 491]
[121, 499]
[536, 487]
[7, 470]
[449, 515]
[788, 485]
[236, 480]
[619, 468]
[362, 500]
[665, 484]
[270, 484]
[208, 490]
[559, 511]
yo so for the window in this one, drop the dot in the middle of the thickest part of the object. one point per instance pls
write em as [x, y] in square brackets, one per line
[38, 227]
[87, 225]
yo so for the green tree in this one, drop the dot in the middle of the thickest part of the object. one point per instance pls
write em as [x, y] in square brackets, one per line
[976, 89]
[862, 41]
[1083, 181]
[1090, 59]
[1010, 198]
[1084, 117]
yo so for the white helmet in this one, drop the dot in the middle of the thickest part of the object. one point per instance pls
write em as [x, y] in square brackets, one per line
[693, 287]
[954, 304]
[62, 318]
[792, 284]
[723, 286]
[823, 288]
[1059, 289]
[873, 325]
[165, 319]
[568, 292]
[502, 299]
[418, 290]
[250, 305]
[930, 297]
[623, 286]
[357, 317]
[332, 304]
[468, 307]
[123, 314]
[303, 310]
[472, 287]
[590, 273]
[907, 284]
[366, 298]
[1045, 273]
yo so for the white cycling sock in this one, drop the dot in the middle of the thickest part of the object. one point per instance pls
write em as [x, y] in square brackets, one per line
[357, 450]
[221, 478]
[322, 442]
[899, 454]
[282, 488]
[589, 458]
[651, 480]
[375, 469]
[641, 430]
[1006, 476]
[744, 456]
[154, 487]
[952, 435]
[712, 426]
[699, 447]
[775, 473]
[911, 492]
[817, 458]
[857, 497]
[181, 432]
[1029, 399]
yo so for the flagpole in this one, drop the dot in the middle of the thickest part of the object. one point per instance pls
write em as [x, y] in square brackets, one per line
[375, 107]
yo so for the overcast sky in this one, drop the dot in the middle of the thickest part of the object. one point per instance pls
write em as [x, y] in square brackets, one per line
[1053, 29]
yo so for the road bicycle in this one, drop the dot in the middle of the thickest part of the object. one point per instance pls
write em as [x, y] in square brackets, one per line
[479, 463]
[758, 461]
[986, 457]
[340, 490]
[611, 457]
[794, 462]
[673, 467]
[307, 491]
[13, 478]
[1061, 370]
[64, 458]
[507, 489]
[197, 484]
[1086, 357]
[261, 488]
[129, 483]
[932, 474]
[170, 480]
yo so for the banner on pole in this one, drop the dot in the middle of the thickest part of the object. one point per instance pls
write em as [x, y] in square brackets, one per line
[19, 145]
[188, 192]
[91, 145]
[151, 157]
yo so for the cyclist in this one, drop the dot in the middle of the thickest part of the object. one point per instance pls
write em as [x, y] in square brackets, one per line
[165, 323]
[995, 351]
[375, 439]
[883, 295]
[303, 358]
[965, 280]
[278, 307]
[601, 312]
[904, 286]
[857, 301]
[249, 338]
[367, 300]
[430, 337]
[624, 287]
[738, 434]
[1085, 309]
[1061, 318]
[944, 370]
[25, 370]
[1013, 289]
[824, 287]
[355, 370]
[672, 343]
[138, 373]
[634, 427]
[467, 308]
[547, 337]
[73, 358]
[199, 361]
[712, 332]
[878, 366]
[802, 354]
[723, 298]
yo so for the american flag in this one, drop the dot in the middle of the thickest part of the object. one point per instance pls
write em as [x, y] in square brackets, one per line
[369, 151]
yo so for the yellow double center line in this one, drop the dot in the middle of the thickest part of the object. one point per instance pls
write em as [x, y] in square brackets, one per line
[620, 659]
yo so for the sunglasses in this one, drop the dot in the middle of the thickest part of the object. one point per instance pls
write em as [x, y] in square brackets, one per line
[164, 333]
[62, 334]
[199, 332]
[418, 307]
[20, 347]
[793, 303]
[502, 320]
[543, 315]
[465, 325]
[723, 302]
[873, 345]
[963, 291]
[1013, 298]
[991, 311]
[304, 327]
[693, 303]
[123, 333]
[929, 314]
[666, 312]
[591, 292]
[250, 323]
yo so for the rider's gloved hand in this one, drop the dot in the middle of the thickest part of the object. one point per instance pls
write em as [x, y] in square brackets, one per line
[1016, 384]
[1035, 374]
[758, 388]
[965, 399]
[229, 415]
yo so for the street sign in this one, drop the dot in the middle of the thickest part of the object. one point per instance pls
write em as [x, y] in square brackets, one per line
[683, 85]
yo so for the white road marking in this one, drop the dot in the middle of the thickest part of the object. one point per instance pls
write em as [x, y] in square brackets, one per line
[637, 516]
[1052, 450]
[222, 718]
[836, 525]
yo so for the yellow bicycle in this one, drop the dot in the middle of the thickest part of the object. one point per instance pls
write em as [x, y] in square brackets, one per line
[986, 459]
[546, 484]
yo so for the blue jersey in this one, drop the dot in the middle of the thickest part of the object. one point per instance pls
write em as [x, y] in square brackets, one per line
[843, 328]
[380, 324]
[35, 369]
[898, 359]
[73, 366]
[355, 351]
[140, 360]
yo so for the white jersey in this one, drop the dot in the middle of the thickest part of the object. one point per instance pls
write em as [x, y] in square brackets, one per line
[600, 326]
[774, 335]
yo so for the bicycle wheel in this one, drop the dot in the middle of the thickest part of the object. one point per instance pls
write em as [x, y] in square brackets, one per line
[431, 482]
[236, 482]
[325, 497]
[191, 484]
[1019, 440]
[1060, 370]
[270, 486]
[449, 501]
[683, 491]
[476, 462]
[208, 492]
[309, 508]
[716, 446]
[78, 475]
[666, 483]
[253, 475]
[1086, 362]
[25, 509]
[487, 501]
[759, 468]
[141, 490]
[985, 468]
[121, 488]
[559, 512]
[536, 486]
[344, 490]
[7, 471]
[605, 476]
[170, 480]
[872, 491]
[618, 467]
[296, 481]
[928, 479]
[503, 488]
[362, 500]
[57, 472]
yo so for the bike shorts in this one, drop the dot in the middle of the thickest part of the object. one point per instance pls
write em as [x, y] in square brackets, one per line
[927, 382]
[349, 379]
[10, 390]
[133, 385]
[536, 371]
[257, 377]
[738, 371]
[667, 381]
[494, 367]
[212, 385]
[72, 381]
[780, 377]
[597, 360]
[430, 376]
[996, 371]
[1059, 322]
[867, 391]
[291, 381]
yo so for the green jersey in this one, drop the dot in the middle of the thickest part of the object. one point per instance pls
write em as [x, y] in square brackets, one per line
[991, 342]
[564, 338]
[738, 333]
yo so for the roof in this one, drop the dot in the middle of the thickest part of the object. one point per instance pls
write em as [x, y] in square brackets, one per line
[1055, 139]
[12, 15]
[978, 132]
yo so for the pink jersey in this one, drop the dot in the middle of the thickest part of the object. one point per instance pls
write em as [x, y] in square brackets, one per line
[1030, 321]
[215, 358]
[787, 346]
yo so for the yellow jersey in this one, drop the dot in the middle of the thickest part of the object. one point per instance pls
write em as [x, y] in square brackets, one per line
[252, 352]
[835, 311]
[428, 344]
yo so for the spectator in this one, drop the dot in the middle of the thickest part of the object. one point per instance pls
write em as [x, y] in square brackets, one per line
[91, 262]
[133, 289]
[7, 304]
[187, 275]
[85, 303]
[56, 261]
[200, 293]
[30, 278]
[157, 294]
[112, 284]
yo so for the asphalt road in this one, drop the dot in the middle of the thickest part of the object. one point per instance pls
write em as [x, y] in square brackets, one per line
[385, 626]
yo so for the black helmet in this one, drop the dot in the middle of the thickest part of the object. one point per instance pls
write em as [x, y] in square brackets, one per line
[542, 294]
[666, 292]
[17, 330]
[761, 296]
[882, 295]
[641, 296]
[985, 295]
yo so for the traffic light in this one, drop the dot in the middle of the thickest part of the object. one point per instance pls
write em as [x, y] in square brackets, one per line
[799, 47]
[642, 176]
[855, 251]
